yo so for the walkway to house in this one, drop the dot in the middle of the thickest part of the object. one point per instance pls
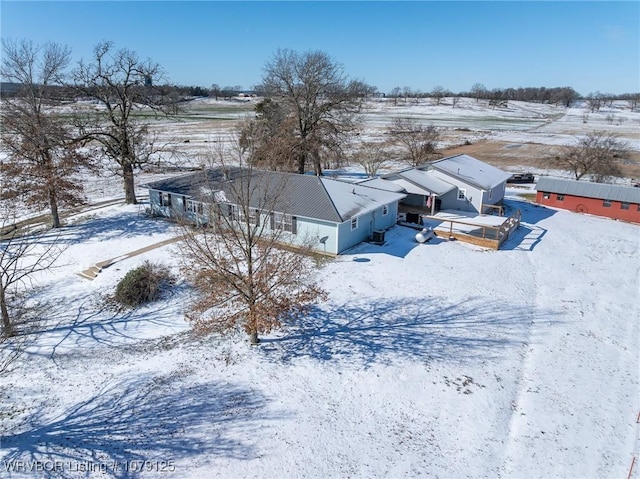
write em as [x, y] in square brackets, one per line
[92, 272]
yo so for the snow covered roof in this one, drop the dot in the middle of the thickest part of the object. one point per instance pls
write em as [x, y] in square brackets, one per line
[417, 182]
[469, 170]
[300, 195]
[587, 189]
[427, 180]
[382, 184]
[352, 200]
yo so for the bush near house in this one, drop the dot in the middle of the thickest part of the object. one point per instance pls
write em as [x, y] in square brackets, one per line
[143, 284]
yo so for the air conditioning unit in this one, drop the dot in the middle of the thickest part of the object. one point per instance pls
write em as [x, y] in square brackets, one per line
[378, 236]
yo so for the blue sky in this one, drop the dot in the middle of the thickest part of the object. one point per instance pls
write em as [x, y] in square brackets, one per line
[591, 46]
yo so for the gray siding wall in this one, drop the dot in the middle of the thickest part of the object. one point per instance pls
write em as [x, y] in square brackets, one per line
[312, 231]
[450, 201]
[367, 223]
[497, 194]
[415, 200]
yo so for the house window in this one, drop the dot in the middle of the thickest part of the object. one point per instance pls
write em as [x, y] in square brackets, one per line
[354, 223]
[236, 213]
[624, 205]
[232, 212]
[194, 207]
[462, 194]
[546, 196]
[254, 217]
[284, 222]
[165, 199]
[560, 197]
[606, 203]
[385, 210]
[491, 193]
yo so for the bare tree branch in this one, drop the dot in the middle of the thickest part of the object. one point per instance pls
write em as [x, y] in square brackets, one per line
[597, 154]
[319, 102]
[418, 141]
[240, 259]
[123, 85]
[43, 154]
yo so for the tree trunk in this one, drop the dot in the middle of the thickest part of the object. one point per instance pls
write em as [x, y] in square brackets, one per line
[53, 204]
[7, 327]
[129, 186]
[302, 160]
[253, 338]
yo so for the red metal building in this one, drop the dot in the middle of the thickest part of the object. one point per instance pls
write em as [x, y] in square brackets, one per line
[611, 201]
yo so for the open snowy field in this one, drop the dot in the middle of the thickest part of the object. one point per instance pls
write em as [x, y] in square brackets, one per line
[520, 136]
[436, 360]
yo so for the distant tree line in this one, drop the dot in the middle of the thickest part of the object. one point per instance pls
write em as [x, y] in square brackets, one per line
[564, 96]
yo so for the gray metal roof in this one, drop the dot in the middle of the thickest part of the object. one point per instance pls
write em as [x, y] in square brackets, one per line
[587, 189]
[300, 195]
[470, 170]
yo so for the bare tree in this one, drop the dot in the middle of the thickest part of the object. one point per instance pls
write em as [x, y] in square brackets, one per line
[371, 156]
[267, 139]
[438, 93]
[123, 85]
[478, 90]
[395, 94]
[406, 93]
[317, 95]
[598, 154]
[418, 141]
[215, 91]
[43, 154]
[595, 101]
[242, 261]
[633, 100]
[21, 257]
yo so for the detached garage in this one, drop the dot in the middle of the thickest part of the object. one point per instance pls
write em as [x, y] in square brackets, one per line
[611, 201]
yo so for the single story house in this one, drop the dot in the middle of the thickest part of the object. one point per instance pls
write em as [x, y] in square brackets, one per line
[611, 201]
[333, 215]
[458, 182]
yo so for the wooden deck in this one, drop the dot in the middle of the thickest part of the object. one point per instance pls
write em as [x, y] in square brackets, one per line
[488, 231]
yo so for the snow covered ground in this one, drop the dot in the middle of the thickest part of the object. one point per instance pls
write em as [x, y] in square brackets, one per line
[207, 122]
[437, 360]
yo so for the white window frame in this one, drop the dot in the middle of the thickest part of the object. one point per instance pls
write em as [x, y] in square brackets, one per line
[546, 195]
[165, 199]
[462, 194]
[194, 206]
[284, 222]
[354, 223]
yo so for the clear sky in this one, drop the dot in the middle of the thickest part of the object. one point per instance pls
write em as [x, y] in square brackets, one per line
[590, 46]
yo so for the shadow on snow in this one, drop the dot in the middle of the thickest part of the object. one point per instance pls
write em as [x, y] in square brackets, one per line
[426, 329]
[95, 323]
[122, 225]
[153, 420]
